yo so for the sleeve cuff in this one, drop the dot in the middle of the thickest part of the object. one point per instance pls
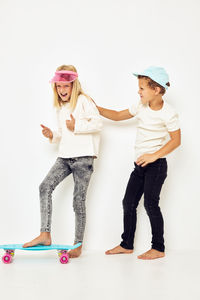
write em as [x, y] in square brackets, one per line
[55, 139]
[132, 110]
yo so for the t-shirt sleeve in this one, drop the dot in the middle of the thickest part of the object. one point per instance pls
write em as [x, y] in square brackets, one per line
[172, 122]
[133, 109]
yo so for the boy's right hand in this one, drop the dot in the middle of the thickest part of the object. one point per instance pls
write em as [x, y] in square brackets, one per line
[47, 132]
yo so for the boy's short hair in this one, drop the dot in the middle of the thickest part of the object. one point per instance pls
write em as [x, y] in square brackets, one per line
[152, 84]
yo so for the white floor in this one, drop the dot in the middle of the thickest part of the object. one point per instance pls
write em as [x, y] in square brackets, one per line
[97, 276]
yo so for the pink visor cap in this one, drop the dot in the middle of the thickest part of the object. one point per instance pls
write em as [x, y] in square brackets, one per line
[64, 76]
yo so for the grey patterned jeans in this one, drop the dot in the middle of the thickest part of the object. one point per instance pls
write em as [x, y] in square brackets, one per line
[81, 168]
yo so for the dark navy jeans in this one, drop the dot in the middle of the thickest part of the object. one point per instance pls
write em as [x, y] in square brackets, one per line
[148, 181]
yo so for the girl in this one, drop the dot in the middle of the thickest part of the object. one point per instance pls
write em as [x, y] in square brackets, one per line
[79, 124]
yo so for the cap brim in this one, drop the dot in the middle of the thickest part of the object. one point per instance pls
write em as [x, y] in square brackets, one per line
[137, 74]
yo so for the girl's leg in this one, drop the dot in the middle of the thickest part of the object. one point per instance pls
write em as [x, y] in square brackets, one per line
[82, 169]
[58, 172]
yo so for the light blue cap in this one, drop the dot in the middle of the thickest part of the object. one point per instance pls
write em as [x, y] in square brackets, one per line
[157, 74]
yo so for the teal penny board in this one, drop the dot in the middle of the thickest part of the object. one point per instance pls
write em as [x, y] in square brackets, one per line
[39, 247]
[62, 250]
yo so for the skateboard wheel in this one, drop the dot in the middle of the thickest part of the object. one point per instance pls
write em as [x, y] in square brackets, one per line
[11, 252]
[64, 258]
[7, 258]
[60, 252]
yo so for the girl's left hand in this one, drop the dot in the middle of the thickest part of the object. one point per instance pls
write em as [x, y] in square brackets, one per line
[145, 159]
[70, 123]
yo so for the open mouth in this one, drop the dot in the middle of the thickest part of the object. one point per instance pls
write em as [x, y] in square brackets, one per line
[63, 95]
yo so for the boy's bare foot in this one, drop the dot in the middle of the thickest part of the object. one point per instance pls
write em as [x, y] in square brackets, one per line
[75, 252]
[43, 239]
[151, 254]
[118, 250]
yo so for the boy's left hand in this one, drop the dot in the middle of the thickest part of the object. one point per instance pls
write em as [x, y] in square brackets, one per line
[71, 123]
[145, 159]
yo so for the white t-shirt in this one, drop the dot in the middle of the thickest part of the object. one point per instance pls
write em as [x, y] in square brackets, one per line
[153, 127]
[84, 140]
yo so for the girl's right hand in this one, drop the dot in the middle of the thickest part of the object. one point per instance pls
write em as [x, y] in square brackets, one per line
[47, 132]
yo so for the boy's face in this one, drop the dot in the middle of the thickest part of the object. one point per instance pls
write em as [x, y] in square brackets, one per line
[146, 93]
[64, 90]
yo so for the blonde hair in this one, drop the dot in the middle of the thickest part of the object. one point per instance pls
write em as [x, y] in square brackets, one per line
[76, 89]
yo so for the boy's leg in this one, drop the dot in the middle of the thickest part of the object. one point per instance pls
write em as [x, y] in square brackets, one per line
[133, 194]
[155, 176]
[131, 199]
[82, 169]
[57, 173]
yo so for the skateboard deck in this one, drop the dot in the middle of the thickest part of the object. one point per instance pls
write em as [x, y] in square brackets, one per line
[62, 251]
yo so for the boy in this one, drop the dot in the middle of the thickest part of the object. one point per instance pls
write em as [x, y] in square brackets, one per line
[157, 120]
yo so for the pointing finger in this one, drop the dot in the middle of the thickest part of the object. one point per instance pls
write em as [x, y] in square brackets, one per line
[43, 126]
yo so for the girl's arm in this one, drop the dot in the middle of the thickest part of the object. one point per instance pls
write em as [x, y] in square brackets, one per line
[56, 134]
[47, 132]
[114, 115]
[89, 120]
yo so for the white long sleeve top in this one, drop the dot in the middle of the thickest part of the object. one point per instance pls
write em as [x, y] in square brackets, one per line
[85, 139]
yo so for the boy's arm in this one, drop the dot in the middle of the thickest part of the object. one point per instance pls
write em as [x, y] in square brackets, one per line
[174, 142]
[114, 115]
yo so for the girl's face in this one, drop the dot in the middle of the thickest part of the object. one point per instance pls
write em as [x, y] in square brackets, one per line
[64, 90]
[146, 93]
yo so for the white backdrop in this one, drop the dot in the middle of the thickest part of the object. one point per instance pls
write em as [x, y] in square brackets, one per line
[106, 41]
